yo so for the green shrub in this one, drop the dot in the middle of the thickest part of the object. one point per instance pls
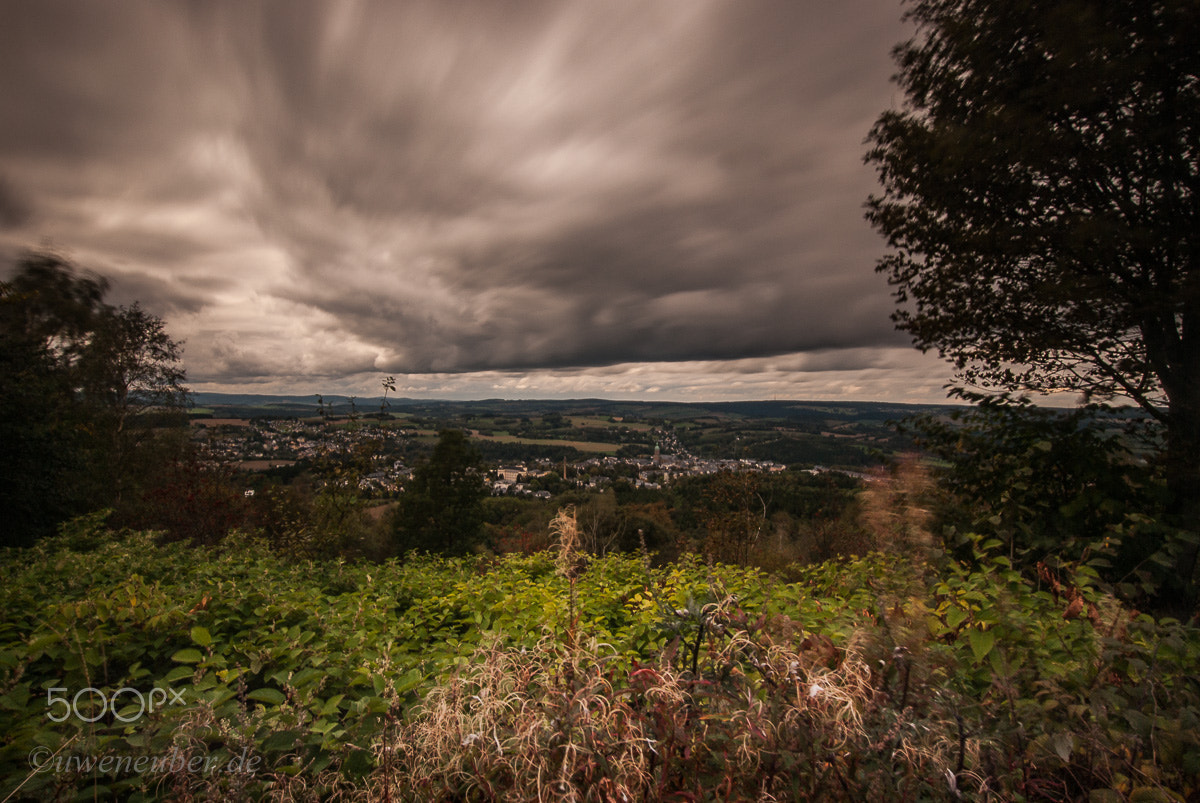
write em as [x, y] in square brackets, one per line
[871, 676]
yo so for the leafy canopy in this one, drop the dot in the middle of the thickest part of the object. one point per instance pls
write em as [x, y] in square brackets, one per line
[441, 509]
[80, 380]
[1040, 194]
[1041, 201]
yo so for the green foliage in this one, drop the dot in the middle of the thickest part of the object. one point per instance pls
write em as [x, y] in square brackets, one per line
[1060, 679]
[289, 663]
[441, 509]
[1057, 487]
[1040, 203]
[860, 677]
[85, 385]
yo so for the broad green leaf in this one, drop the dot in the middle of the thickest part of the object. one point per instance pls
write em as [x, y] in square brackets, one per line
[331, 705]
[982, 642]
[267, 695]
[178, 673]
[306, 676]
[201, 636]
[188, 656]
[42, 642]
[1105, 796]
[220, 695]
[409, 681]
[955, 616]
[1153, 794]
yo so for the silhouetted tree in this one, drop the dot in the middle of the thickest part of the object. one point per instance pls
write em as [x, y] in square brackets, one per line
[441, 508]
[1042, 204]
[734, 514]
[78, 377]
[130, 368]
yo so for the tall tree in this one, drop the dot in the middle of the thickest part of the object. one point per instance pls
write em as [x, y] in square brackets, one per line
[441, 509]
[734, 514]
[77, 378]
[1041, 198]
[130, 368]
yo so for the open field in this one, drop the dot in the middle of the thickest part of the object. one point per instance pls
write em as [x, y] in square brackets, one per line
[599, 421]
[583, 446]
[264, 465]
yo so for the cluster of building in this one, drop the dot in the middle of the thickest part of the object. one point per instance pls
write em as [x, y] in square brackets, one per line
[261, 444]
[238, 440]
[258, 444]
[597, 472]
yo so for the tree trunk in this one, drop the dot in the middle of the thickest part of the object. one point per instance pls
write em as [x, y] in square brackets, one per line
[1183, 481]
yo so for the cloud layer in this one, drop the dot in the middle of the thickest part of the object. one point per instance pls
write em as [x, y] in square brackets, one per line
[637, 194]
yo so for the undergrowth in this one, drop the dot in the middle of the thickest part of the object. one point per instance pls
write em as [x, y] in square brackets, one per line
[904, 674]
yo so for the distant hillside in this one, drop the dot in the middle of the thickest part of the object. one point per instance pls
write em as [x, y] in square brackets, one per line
[265, 406]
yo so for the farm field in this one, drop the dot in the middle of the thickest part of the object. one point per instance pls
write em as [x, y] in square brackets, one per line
[582, 446]
[851, 435]
[599, 421]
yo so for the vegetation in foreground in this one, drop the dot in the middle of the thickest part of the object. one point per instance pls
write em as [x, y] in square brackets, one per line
[1010, 666]
[905, 673]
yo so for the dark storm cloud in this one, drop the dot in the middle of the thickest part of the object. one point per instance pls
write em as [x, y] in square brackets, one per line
[429, 187]
[14, 210]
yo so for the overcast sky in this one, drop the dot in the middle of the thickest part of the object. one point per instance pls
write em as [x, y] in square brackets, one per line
[618, 198]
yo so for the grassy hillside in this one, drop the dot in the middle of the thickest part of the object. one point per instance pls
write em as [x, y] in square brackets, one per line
[556, 677]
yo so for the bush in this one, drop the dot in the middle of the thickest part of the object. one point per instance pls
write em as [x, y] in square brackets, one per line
[1057, 487]
[547, 676]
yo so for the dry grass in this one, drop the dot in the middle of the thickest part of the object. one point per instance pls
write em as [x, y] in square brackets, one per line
[895, 510]
[565, 530]
[540, 725]
[744, 710]
[791, 720]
